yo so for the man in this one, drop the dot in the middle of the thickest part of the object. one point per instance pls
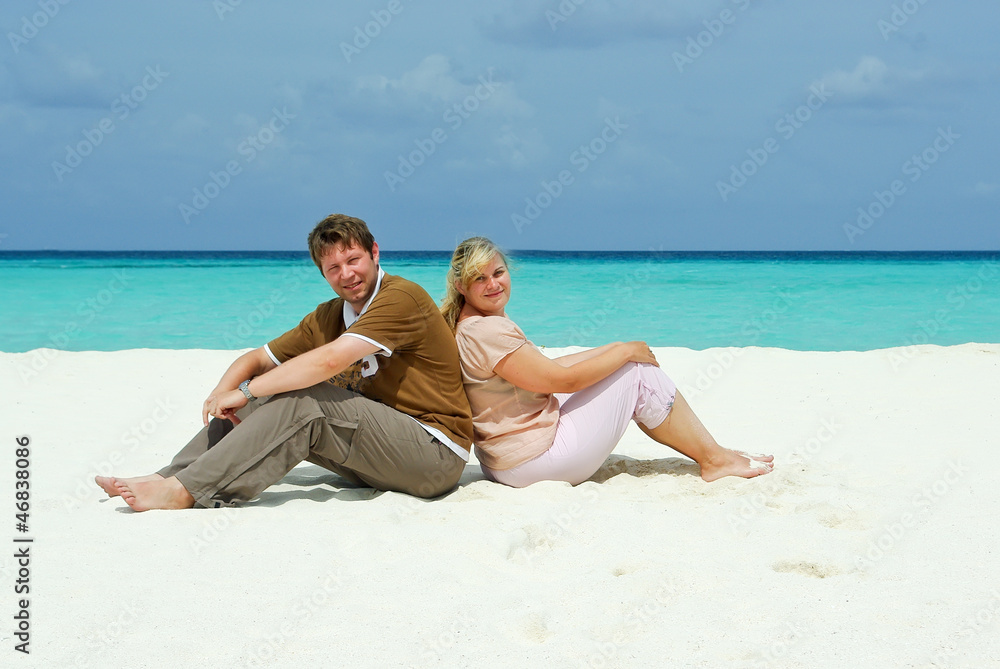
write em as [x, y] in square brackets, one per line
[404, 424]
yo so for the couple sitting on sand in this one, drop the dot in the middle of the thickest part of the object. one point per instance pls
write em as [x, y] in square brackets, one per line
[411, 387]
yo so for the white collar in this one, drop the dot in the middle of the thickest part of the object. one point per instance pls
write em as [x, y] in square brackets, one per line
[349, 316]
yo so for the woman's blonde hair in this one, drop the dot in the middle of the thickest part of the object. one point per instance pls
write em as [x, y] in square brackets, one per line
[467, 263]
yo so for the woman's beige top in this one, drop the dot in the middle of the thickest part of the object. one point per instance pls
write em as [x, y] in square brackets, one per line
[511, 425]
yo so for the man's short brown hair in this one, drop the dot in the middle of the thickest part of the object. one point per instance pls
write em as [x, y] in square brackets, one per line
[337, 229]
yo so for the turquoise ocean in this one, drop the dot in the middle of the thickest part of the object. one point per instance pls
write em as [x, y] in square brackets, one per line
[108, 301]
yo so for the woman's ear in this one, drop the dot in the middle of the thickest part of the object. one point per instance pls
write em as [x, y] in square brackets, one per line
[459, 287]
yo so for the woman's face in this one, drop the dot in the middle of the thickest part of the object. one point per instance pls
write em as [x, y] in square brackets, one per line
[489, 292]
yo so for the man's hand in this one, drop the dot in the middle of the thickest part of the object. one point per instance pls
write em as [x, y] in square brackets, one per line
[247, 366]
[224, 405]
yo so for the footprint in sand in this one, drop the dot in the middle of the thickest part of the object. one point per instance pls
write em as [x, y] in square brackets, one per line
[805, 568]
[529, 542]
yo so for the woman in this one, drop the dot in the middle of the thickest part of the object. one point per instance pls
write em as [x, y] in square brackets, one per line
[522, 433]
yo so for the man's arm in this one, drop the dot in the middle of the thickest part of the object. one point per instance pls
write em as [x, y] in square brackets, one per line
[302, 371]
[250, 364]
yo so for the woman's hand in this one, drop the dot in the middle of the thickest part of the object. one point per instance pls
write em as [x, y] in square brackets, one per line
[639, 351]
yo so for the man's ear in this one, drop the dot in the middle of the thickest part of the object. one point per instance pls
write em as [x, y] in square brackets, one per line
[375, 251]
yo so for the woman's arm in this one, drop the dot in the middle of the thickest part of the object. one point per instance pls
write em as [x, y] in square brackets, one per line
[529, 369]
[572, 358]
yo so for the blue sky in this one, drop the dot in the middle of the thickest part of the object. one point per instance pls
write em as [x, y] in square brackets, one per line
[580, 124]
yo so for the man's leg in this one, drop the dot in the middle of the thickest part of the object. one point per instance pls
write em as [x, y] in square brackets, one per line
[206, 438]
[351, 435]
[388, 450]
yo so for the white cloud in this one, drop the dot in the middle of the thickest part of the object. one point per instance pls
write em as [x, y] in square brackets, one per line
[434, 81]
[431, 77]
[983, 188]
[520, 149]
[871, 79]
[47, 77]
[190, 125]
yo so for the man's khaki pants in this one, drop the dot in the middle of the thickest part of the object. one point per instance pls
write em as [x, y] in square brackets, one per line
[363, 441]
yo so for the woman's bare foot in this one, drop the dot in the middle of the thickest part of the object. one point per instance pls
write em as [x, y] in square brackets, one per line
[155, 494]
[759, 457]
[733, 463]
[110, 483]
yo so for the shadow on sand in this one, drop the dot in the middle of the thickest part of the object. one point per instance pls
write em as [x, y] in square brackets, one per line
[321, 485]
[623, 464]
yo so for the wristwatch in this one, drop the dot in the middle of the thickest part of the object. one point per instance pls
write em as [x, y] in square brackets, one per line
[245, 387]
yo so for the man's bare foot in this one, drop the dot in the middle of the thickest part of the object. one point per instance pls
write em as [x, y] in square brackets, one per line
[733, 463]
[110, 483]
[152, 494]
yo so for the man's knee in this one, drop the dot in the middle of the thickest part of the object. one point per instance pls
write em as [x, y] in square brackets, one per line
[331, 400]
[217, 429]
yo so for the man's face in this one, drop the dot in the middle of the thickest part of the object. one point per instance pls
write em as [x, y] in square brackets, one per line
[351, 272]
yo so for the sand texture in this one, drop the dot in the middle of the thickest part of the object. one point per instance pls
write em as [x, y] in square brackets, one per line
[873, 543]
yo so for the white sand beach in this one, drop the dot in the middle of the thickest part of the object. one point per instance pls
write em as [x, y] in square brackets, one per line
[872, 544]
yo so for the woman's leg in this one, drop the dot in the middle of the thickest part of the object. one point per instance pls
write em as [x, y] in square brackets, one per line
[685, 433]
[591, 422]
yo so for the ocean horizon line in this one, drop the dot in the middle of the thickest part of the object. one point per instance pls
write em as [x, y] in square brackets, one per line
[572, 252]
